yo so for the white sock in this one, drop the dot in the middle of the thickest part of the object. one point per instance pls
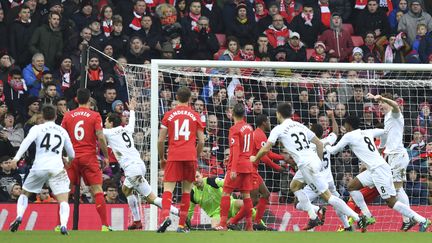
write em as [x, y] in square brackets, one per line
[403, 198]
[64, 213]
[358, 198]
[343, 218]
[299, 206]
[133, 205]
[158, 203]
[339, 205]
[408, 212]
[22, 205]
[305, 204]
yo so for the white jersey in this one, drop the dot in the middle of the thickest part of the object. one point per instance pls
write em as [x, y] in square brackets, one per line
[121, 142]
[362, 144]
[50, 139]
[326, 162]
[394, 128]
[296, 138]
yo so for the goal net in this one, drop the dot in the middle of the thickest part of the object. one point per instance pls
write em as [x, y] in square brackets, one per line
[313, 89]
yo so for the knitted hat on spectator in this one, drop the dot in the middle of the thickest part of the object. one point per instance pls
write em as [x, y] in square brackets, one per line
[336, 14]
[294, 34]
[116, 103]
[260, 2]
[416, 1]
[53, 3]
[357, 50]
[3, 53]
[241, 5]
[320, 43]
[30, 100]
[423, 105]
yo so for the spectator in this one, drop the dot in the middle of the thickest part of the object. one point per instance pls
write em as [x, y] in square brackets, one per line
[95, 75]
[319, 54]
[117, 39]
[263, 47]
[191, 20]
[345, 162]
[68, 77]
[340, 114]
[392, 17]
[168, 18]
[229, 11]
[416, 190]
[20, 32]
[277, 33]
[216, 105]
[377, 21]
[180, 7]
[418, 142]
[120, 79]
[138, 52]
[265, 22]
[232, 52]
[337, 40]
[357, 55]
[260, 10]
[8, 177]
[241, 27]
[105, 104]
[15, 91]
[33, 73]
[211, 10]
[14, 192]
[111, 193]
[48, 94]
[3, 106]
[290, 8]
[408, 23]
[335, 6]
[96, 32]
[370, 48]
[257, 109]
[4, 38]
[151, 37]
[61, 104]
[424, 119]
[356, 103]
[85, 16]
[420, 38]
[330, 101]
[44, 196]
[118, 107]
[200, 108]
[11, 131]
[395, 50]
[296, 51]
[201, 43]
[106, 18]
[12, 13]
[308, 25]
[369, 120]
[177, 42]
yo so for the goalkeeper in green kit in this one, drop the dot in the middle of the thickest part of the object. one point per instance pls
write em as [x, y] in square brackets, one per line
[207, 193]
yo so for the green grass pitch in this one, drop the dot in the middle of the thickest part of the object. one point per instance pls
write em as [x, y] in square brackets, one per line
[212, 236]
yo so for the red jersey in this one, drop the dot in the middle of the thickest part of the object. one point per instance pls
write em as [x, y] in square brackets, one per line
[81, 125]
[182, 123]
[260, 140]
[241, 139]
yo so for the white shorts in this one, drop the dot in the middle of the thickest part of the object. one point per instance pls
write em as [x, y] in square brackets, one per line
[310, 174]
[58, 181]
[398, 163]
[380, 178]
[313, 195]
[135, 178]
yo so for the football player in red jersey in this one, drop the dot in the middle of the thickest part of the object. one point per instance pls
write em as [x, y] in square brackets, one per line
[239, 168]
[183, 127]
[85, 130]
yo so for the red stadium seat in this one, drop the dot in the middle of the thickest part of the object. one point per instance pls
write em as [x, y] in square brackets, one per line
[221, 39]
[357, 40]
[349, 28]
[309, 52]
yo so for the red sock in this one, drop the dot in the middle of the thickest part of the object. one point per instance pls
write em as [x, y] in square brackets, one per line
[184, 208]
[224, 208]
[101, 207]
[241, 214]
[166, 204]
[369, 194]
[260, 209]
[248, 212]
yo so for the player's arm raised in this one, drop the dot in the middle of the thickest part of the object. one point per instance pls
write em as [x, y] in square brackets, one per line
[319, 146]
[25, 144]
[392, 103]
[163, 131]
[335, 126]
[131, 125]
[339, 146]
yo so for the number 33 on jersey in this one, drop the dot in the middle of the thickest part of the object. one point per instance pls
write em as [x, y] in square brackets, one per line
[182, 124]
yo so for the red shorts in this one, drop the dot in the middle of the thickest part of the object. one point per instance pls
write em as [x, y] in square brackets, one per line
[88, 167]
[176, 171]
[257, 180]
[243, 182]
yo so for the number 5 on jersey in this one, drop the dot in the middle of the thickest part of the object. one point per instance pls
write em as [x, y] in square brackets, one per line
[182, 130]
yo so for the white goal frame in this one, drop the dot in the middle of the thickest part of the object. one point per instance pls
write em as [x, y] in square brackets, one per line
[158, 64]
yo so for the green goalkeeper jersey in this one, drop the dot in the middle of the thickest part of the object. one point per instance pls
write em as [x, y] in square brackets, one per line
[208, 198]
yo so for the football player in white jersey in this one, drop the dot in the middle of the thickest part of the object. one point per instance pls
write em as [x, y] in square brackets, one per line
[326, 169]
[48, 166]
[396, 154]
[297, 139]
[378, 173]
[120, 140]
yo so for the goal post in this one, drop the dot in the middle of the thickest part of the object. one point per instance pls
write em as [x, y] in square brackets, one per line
[411, 82]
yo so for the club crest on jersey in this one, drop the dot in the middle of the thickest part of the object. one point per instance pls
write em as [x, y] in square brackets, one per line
[263, 143]
[232, 140]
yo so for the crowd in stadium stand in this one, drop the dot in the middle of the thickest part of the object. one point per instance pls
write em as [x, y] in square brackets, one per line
[41, 42]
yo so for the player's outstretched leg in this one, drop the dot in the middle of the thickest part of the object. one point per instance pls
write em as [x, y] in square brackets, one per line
[264, 195]
[64, 212]
[402, 197]
[406, 211]
[166, 205]
[134, 207]
[157, 201]
[21, 208]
